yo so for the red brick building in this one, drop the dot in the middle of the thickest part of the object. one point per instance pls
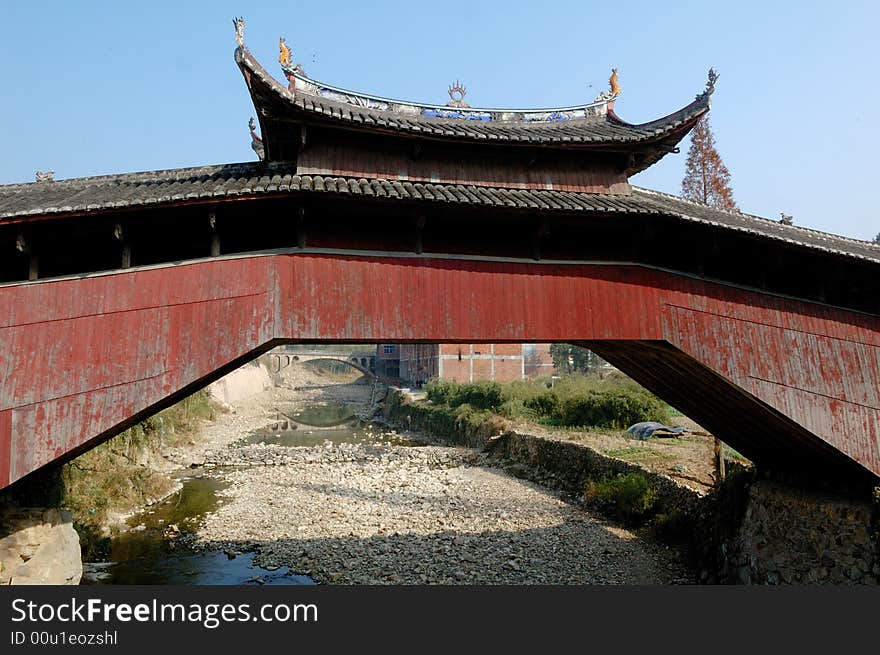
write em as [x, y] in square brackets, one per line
[468, 362]
[388, 360]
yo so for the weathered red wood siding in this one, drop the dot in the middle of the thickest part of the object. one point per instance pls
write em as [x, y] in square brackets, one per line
[349, 161]
[80, 357]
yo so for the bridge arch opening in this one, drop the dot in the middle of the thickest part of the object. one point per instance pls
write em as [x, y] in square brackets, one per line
[804, 377]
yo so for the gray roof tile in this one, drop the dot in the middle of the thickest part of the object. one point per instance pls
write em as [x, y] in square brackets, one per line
[132, 190]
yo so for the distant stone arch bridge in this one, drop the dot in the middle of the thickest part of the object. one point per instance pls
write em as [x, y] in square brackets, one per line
[363, 362]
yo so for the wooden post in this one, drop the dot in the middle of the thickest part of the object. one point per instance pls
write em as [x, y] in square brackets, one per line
[215, 235]
[24, 247]
[541, 230]
[720, 468]
[126, 246]
[301, 228]
[420, 226]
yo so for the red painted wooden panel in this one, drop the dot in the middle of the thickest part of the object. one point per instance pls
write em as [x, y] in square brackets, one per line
[5, 447]
[80, 357]
[349, 161]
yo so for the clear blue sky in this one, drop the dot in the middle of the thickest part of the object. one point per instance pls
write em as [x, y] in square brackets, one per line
[106, 87]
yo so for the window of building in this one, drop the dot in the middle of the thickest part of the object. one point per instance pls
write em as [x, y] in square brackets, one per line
[388, 350]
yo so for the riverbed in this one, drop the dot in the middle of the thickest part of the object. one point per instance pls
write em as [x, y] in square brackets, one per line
[292, 488]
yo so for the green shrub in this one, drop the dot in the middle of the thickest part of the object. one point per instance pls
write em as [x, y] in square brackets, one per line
[614, 408]
[481, 395]
[673, 523]
[440, 391]
[572, 401]
[546, 404]
[516, 408]
[631, 496]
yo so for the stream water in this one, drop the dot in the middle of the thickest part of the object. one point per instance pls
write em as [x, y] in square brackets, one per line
[312, 425]
[149, 551]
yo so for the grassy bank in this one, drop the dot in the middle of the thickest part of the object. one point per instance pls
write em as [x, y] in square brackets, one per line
[124, 472]
[575, 401]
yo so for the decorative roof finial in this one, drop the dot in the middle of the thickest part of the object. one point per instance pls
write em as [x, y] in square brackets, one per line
[45, 176]
[614, 84]
[283, 52]
[613, 90]
[710, 85]
[239, 31]
[457, 92]
[290, 68]
[256, 141]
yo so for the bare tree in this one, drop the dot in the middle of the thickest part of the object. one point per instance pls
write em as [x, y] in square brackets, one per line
[706, 178]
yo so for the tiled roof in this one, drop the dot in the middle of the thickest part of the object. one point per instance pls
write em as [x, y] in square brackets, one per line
[604, 128]
[734, 220]
[206, 183]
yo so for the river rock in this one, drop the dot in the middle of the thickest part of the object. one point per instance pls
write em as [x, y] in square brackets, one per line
[39, 546]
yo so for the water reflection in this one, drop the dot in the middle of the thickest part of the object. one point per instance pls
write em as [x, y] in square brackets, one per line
[148, 553]
[322, 415]
[317, 423]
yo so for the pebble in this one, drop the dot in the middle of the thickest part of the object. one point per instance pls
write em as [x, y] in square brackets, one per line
[384, 514]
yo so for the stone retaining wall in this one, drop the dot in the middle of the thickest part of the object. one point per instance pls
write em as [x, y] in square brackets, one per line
[797, 536]
[243, 382]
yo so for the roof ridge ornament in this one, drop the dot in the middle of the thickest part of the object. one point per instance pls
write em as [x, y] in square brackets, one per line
[291, 69]
[256, 142]
[239, 31]
[710, 85]
[457, 92]
[613, 88]
[283, 52]
[44, 176]
[614, 84]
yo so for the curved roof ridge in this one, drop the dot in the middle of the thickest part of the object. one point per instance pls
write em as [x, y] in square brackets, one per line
[693, 110]
[444, 107]
[742, 214]
[587, 126]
